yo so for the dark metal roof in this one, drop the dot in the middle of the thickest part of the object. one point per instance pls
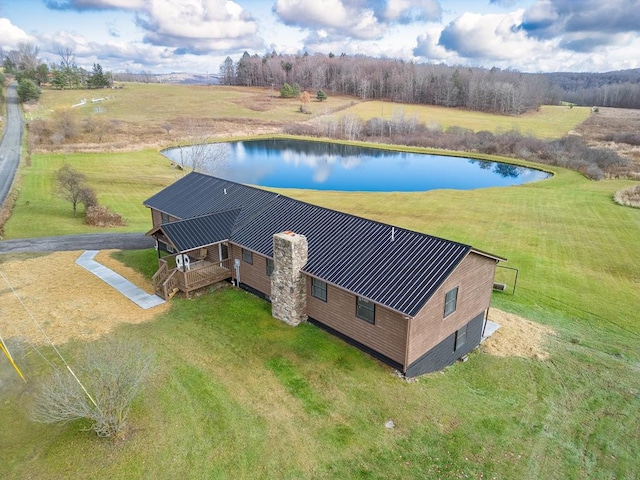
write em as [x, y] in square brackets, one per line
[196, 194]
[392, 266]
[201, 231]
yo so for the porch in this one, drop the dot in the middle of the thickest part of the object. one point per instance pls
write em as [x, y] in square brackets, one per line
[186, 276]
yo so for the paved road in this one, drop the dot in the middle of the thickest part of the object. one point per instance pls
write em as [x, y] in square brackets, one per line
[97, 241]
[11, 143]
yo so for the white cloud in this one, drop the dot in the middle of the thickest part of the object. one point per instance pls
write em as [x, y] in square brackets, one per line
[10, 35]
[199, 26]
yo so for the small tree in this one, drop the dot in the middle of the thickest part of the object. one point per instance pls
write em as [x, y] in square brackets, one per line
[286, 91]
[97, 78]
[321, 96]
[112, 374]
[305, 98]
[28, 91]
[70, 185]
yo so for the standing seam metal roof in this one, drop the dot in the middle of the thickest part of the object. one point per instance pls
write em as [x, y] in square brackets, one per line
[391, 266]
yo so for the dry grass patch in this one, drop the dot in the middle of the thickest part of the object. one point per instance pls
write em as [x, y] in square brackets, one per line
[628, 196]
[67, 300]
[516, 337]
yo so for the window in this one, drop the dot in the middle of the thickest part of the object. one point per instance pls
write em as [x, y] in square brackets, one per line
[461, 337]
[450, 301]
[224, 251]
[164, 217]
[247, 256]
[366, 310]
[319, 289]
[269, 267]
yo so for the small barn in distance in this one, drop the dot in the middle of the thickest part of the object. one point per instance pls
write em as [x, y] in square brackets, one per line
[415, 301]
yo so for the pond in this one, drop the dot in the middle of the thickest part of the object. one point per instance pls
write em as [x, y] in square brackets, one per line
[286, 163]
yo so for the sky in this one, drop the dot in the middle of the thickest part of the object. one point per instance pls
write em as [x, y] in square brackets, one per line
[195, 36]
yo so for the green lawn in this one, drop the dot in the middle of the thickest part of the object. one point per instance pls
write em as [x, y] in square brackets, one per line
[240, 395]
[122, 181]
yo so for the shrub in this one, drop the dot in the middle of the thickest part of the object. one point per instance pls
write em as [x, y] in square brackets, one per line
[28, 91]
[112, 372]
[629, 196]
[101, 216]
[321, 96]
[287, 91]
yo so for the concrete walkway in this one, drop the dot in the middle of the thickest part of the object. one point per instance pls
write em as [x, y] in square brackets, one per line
[117, 281]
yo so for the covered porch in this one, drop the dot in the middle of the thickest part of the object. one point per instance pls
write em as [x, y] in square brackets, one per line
[186, 276]
[192, 254]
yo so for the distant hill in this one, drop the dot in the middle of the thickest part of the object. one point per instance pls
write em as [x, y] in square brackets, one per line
[180, 78]
[619, 88]
[572, 81]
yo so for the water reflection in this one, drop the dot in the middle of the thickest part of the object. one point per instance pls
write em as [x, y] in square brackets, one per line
[329, 166]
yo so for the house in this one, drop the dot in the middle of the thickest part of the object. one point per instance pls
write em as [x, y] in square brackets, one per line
[414, 301]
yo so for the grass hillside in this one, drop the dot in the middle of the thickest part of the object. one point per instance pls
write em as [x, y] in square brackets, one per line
[550, 121]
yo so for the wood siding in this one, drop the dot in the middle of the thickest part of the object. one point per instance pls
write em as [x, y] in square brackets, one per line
[474, 279]
[388, 335]
[156, 218]
[254, 276]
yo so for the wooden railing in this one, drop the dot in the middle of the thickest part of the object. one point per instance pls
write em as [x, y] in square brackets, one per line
[200, 274]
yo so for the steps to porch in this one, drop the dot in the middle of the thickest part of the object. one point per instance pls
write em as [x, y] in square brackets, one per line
[199, 274]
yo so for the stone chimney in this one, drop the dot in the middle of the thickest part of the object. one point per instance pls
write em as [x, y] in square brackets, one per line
[288, 284]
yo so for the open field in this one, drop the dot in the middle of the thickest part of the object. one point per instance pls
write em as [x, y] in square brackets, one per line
[239, 395]
[549, 122]
[155, 115]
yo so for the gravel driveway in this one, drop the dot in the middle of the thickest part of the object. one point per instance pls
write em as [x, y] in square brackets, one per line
[97, 241]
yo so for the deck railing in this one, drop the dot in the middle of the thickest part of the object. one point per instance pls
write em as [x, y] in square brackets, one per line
[200, 274]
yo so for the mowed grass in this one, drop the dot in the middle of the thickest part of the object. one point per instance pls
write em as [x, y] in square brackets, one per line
[122, 181]
[238, 394]
[548, 122]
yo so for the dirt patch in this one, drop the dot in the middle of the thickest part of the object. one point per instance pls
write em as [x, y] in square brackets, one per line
[65, 299]
[516, 337]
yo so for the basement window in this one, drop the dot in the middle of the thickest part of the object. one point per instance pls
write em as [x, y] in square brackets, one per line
[366, 310]
[450, 302]
[247, 256]
[461, 337]
[319, 289]
[269, 267]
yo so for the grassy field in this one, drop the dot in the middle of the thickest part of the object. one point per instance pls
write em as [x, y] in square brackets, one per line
[159, 103]
[237, 394]
[121, 181]
[548, 122]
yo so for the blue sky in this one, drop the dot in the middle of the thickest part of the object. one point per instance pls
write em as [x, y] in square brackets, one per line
[197, 35]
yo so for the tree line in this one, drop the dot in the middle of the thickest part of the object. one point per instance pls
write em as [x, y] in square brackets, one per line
[498, 91]
[24, 64]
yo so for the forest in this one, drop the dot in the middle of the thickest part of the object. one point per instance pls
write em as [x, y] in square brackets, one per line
[507, 92]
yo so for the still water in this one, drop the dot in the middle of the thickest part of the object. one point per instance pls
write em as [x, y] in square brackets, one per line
[329, 166]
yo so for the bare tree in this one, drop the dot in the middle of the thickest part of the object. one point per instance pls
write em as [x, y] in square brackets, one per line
[112, 373]
[69, 183]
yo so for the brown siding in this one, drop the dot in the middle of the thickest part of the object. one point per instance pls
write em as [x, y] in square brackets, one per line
[156, 218]
[474, 279]
[255, 276]
[388, 336]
